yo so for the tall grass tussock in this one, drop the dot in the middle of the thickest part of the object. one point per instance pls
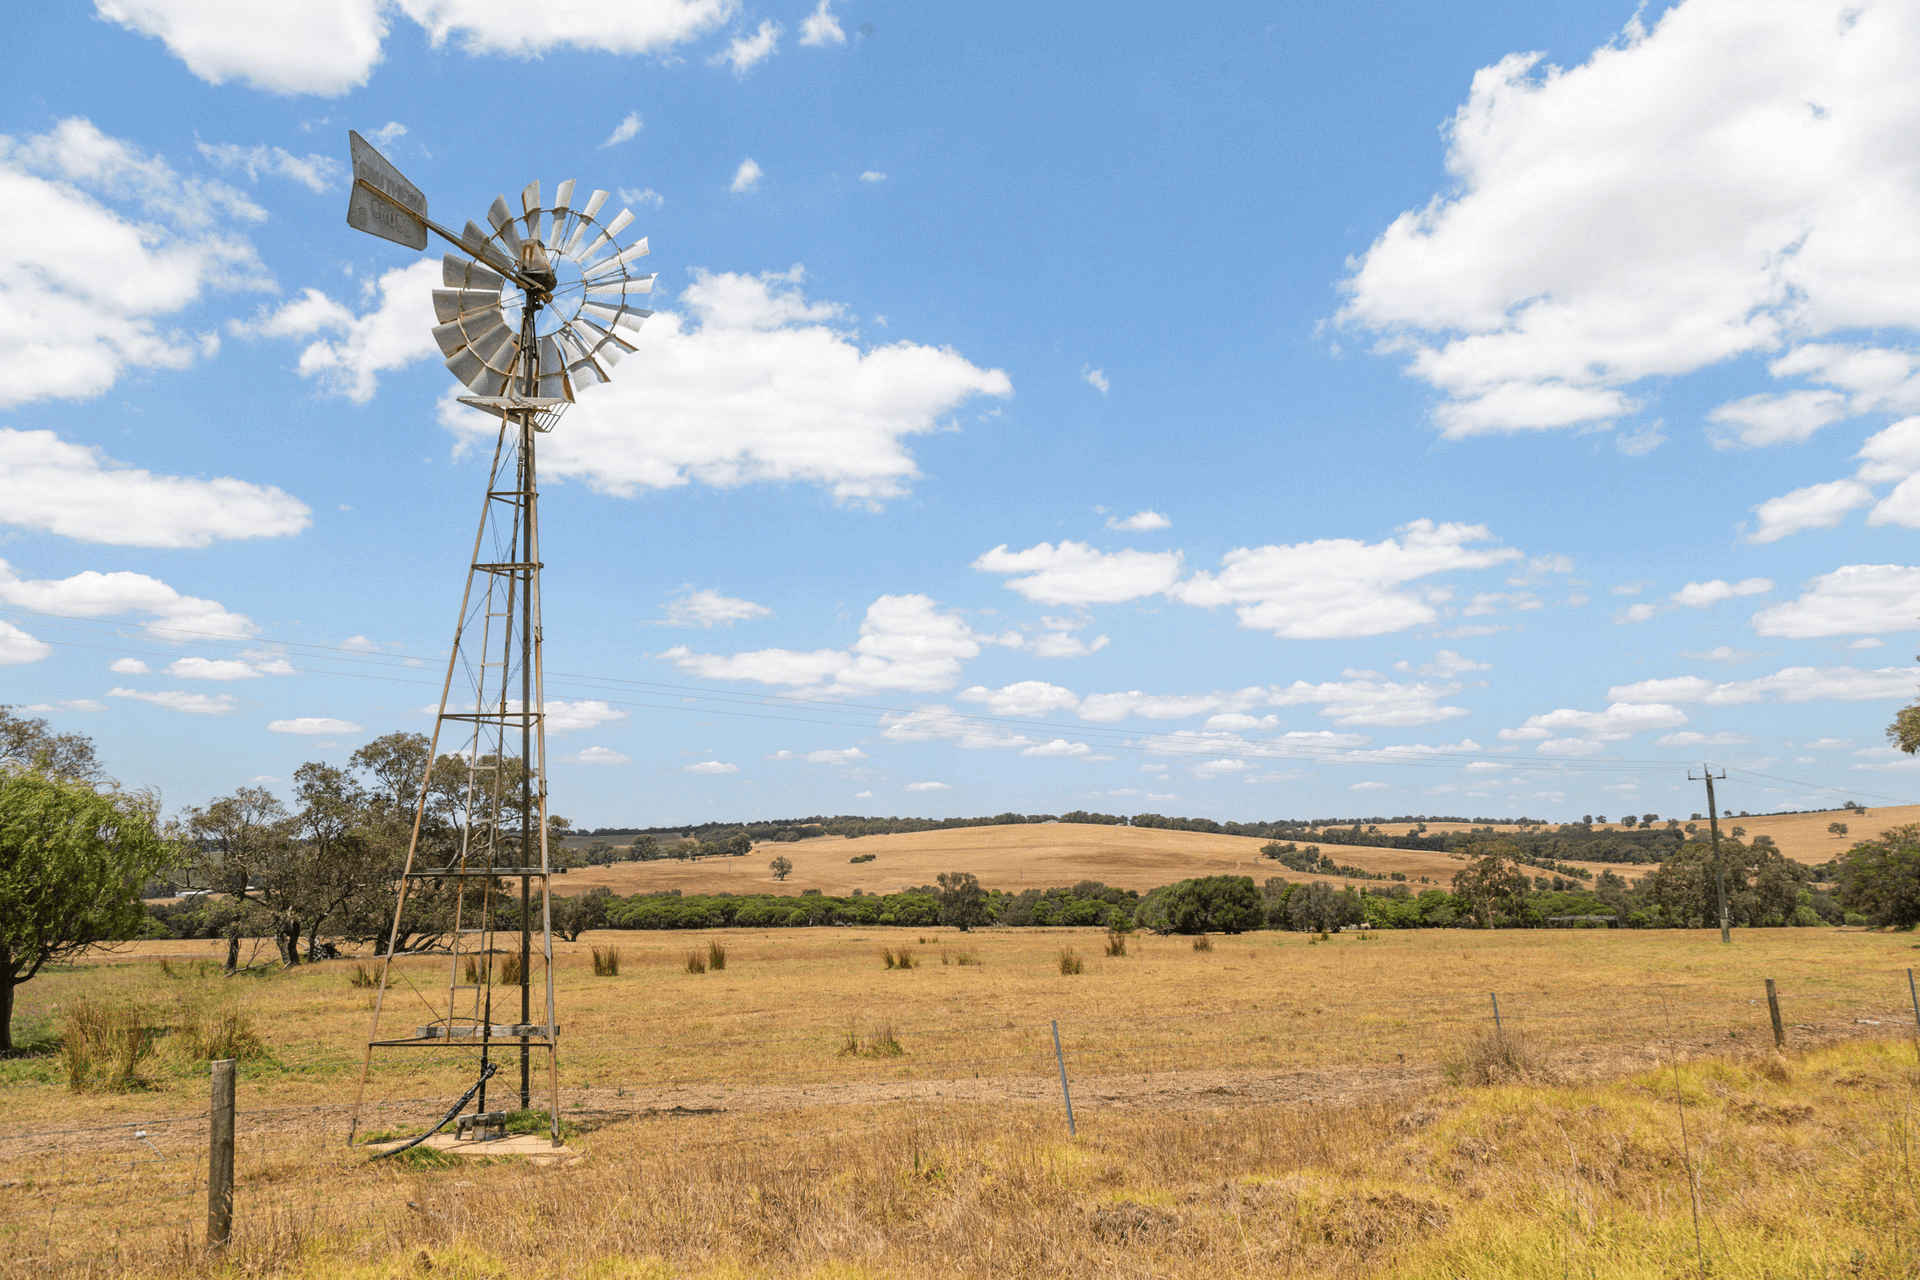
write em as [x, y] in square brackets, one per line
[716, 956]
[606, 961]
[1116, 943]
[898, 958]
[696, 962]
[104, 1046]
[1070, 962]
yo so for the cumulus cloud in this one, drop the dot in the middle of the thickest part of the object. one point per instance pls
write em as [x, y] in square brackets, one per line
[1446, 665]
[1076, 573]
[1025, 698]
[928, 786]
[1366, 699]
[1789, 684]
[1698, 595]
[1555, 731]
[1163, 706]
[759, 385]
[598, 755]
[1818, 506]
[712, 767]
[1336, 588]
[129, 667]
[1853, 598]
[1139, 522]
[1096, 378]
[315, 172]
[329, 47]
[708, 608]
[350, 350]
[628, 129]
[906, 645]
[74, 490]
[91, 594]
[199, 704]
[746, 177]
[821, 28]
[565, 716]
[228, 668]
[745, 52]
[1694, 738]
[1062, 644]
[1730, 182]
[845, 755]
[872, 175]
[101, 246]
[313, 726]
[18, 648]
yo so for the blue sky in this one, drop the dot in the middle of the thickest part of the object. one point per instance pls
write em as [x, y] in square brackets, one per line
[1368, 409]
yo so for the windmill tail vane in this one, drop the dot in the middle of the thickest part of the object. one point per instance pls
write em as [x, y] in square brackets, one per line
[532, 310]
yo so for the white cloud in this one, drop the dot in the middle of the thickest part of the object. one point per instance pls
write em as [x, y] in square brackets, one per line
[1025, 698]
[1786, 418]
[201, 704]
[1692, 738]
[1698, 595]
[1367, 786]
[329, 47]
[712, 767]
[77, 492]
[763, 389]
[1337, 588]
[707, 608]
[1891, 454]
[1818, 506]
[873, 175]
[863, 795]
[1446, 665]
[91, 594]
[627, 129]
[905, 645]
[1853, 598]
[1140, 522]
[65, 704]
[746, 177]
[1075, 573]
[1366, 700]
[1790, 684]
[1096, 378]
[1217, 768]
[564, 716]
[1060, 748]
[1620, 720]
[1729, 182]
[598, 755]
[821, 28]
[1060, 644]
[18, 648]
[1867, 642]
[313, 726]
[928, 786]
[643, 197]
[393, 332]
[1162, 706]
[1721, 653]
[87, 289]
[1642, 612]
[129, 667]
[745, 52]
[315, 172]
[227, 668]
[845, 755]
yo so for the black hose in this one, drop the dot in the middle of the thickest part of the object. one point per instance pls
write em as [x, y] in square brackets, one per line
[486, 1074]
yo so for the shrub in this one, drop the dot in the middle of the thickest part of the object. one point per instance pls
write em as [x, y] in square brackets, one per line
[606, 962]
[863, 857]
[969, 956]
[1116, 943]
[363, 976]
[882, 1043]
[1202, 942]
[103, 1045]
[1070, 961]
[696, 962]
[716, 957]
[1500, 1057]
[207, 1035]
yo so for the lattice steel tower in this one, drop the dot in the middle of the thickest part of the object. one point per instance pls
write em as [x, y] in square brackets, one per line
[532, 310]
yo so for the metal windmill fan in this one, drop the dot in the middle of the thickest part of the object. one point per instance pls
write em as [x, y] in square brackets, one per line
[532, 311]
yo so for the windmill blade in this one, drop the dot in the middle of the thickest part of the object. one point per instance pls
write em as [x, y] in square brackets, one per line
[562, 210]
[619, 287]
[502, 219]
[530, 205]
[614, 228]
[632, 253]
[482, 247]
[586, 220]
[457, 272]
[553, 371]
[451, 304]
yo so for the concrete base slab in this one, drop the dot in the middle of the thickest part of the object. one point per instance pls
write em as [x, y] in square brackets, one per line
[537, 1147]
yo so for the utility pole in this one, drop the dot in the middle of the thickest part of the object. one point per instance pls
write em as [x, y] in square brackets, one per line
[1713, 824]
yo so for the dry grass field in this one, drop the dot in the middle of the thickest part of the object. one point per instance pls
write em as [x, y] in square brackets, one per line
[1274, 1105]
[1008, 858]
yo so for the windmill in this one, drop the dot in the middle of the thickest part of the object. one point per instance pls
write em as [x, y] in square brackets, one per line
[532, 311]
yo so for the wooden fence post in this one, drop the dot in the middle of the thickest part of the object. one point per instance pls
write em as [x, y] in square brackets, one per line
[220, 1158]
[1495, 997]
[1773, 1008]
